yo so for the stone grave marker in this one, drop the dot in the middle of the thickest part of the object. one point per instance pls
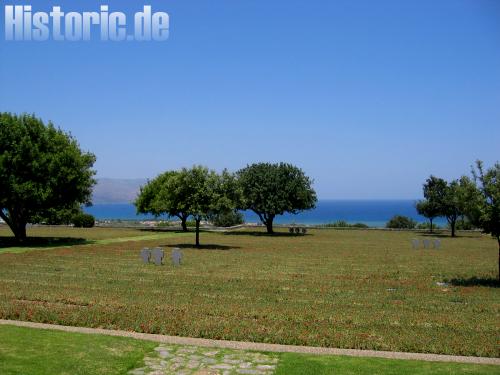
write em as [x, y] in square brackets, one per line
[437, 244]
[415, 243]
[158, 255]
[145, 255]
[176, 256]
[427, 243]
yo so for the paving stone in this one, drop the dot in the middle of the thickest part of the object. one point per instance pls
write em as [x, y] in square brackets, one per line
[233, 361]
[164, 354]
[208, 360]
[190, 360]
[208, 372]
[222, 366]
[175, 366]
[265, 367]
[247, 371]
[193, 364]
[186, 350]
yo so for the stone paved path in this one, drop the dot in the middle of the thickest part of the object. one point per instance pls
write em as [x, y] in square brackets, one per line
[193, 360]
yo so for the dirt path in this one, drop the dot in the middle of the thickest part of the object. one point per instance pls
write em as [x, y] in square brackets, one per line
[238, 345]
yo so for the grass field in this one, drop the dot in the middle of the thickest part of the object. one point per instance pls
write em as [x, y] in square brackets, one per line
[338, 288]
[46, 352]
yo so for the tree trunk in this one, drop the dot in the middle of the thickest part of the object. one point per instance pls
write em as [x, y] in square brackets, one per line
[20, 232]
[269, 225]
[16, 225]
[197, 232]
[452, 224]
[184, 224]
[431, 224]
[498, 239]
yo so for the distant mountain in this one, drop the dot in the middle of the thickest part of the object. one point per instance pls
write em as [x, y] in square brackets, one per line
[114, 190]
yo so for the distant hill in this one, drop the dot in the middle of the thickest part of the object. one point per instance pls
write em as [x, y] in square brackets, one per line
[114, 190]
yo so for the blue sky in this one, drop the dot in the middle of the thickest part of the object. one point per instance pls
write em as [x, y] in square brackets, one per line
[368, 97]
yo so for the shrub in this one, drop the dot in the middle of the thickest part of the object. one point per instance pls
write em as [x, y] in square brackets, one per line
[190, 223]
[359, 225]
[401, 222]
[82, 220]
[344, 224]
[228, 219]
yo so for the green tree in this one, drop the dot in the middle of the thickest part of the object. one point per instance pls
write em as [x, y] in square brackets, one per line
[489, 187]
[447, 198]
[163, 195]
[470, 200]
[434, 191]
[273, 189]
[460, 200]
[205, 193]
[429, 210]
[41, 169]
[452, 204]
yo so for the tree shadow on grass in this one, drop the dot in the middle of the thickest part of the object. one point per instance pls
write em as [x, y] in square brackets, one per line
[203, 247]
[475, 281]
[265, 234]
[41, 242]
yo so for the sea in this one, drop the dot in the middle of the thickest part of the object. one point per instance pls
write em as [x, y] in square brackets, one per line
[374, 213]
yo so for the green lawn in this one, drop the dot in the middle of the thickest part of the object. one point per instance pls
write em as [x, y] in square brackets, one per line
[299, 364]
[30, 351]
[360, 289]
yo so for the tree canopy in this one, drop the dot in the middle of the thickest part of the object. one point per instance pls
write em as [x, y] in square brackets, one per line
[197, 192]
[443, 198]
[429, 209]
[206, 193]
[434, 190]
[489, 203]
[163, 195]
[42, 169]
[273, 189]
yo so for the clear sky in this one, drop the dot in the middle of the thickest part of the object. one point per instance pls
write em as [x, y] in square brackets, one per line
[368, 97]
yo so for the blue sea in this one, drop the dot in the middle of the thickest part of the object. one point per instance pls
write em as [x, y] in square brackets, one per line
[374, 213]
